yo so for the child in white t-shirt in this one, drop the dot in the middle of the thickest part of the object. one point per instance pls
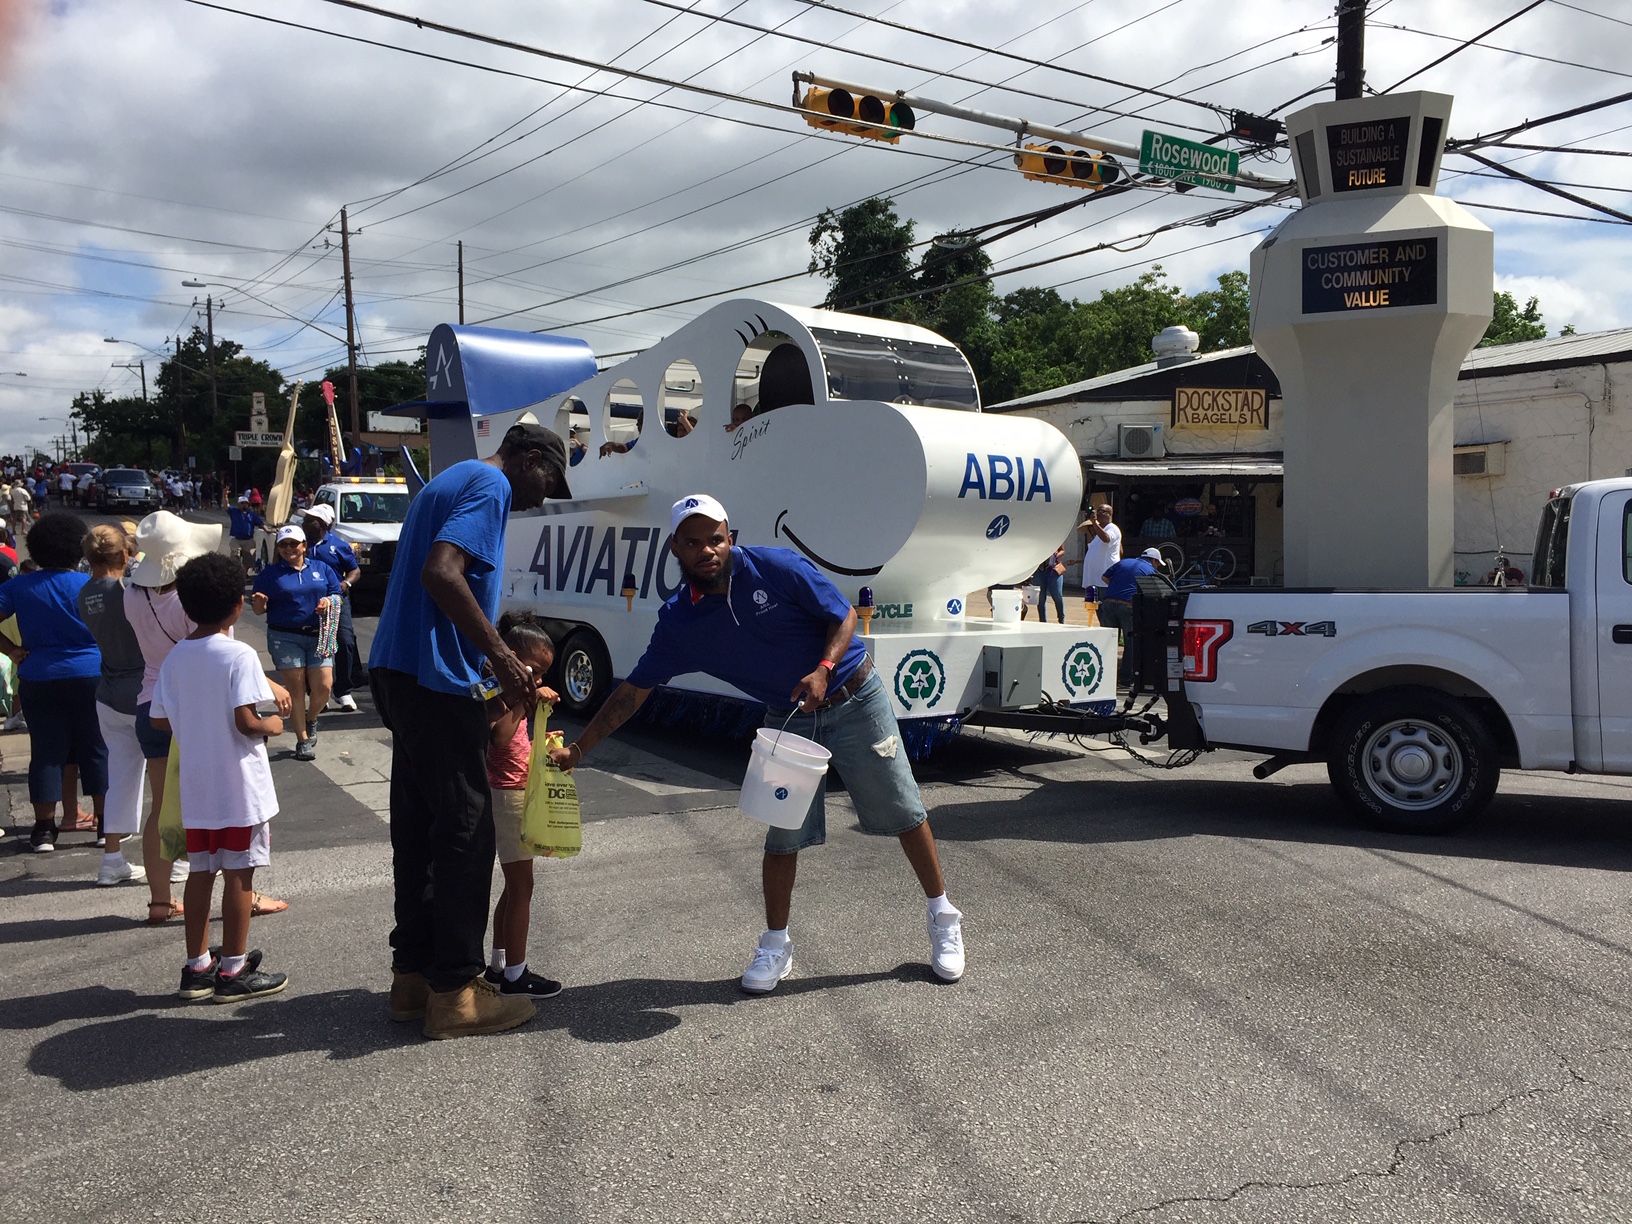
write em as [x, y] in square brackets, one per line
[207, 694]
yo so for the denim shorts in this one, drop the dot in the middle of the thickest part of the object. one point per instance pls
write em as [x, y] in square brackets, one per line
[155, 743]
[293, 651]
[865, 741]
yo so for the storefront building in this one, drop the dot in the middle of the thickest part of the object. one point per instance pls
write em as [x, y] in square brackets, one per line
[1188, 448]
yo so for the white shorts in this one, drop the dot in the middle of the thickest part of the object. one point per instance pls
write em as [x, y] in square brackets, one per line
[235, 849]
[508, 807]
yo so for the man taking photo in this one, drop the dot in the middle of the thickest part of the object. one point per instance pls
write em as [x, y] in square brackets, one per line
[766, 621]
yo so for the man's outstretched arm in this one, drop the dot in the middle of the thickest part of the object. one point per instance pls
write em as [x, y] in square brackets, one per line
[616, 710]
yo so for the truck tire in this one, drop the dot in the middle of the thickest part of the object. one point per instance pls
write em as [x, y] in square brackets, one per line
[1414, 760]
[584, 673]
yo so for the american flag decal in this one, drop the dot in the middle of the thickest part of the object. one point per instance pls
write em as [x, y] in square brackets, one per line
[484, 428]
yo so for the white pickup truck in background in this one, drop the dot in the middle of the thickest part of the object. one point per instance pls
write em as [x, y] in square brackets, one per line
[1416, 700]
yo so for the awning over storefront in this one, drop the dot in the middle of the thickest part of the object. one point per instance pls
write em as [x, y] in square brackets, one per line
[1187, 469]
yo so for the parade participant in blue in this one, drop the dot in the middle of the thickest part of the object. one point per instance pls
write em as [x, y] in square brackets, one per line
[434, 632]
[327, 547]
[242, 522]
[290, 593]
[768, 622]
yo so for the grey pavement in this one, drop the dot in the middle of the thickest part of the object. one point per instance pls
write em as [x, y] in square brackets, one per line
[1191, 997]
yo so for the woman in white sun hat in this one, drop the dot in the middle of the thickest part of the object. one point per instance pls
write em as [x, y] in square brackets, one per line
[165, 543]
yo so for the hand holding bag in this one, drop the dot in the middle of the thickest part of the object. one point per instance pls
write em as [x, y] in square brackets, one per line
[172, 837]
[550, 823]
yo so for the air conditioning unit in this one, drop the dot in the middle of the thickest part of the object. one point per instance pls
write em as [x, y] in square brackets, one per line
[1486, 459]
[1139, 442]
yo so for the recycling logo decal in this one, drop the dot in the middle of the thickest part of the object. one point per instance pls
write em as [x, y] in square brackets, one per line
[920, 680]
[1082, 669]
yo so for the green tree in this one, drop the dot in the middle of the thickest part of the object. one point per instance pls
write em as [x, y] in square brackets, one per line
[864, 253]
[1222, 317]
[1509, 324]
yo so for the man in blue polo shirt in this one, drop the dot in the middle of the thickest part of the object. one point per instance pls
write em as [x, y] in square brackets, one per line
[433, 635]
[768, 622]
[327, 547]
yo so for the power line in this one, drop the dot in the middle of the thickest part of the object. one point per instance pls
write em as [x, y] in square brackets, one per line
[1536, 212]
[1464, 45]
[1573, 111]
[1546, 59]
[1540, 185]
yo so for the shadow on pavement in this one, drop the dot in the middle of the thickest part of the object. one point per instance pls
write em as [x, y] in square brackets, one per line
[173, 1039]
[1539, 829]
[35, 930]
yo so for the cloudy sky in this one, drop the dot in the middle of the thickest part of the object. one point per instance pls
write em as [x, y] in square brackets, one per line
[147, 142]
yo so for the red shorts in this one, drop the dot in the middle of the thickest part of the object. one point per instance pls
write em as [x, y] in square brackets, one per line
[233, 849]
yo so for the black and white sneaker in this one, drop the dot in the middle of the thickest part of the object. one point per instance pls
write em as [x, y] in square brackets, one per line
[529, 984]
[248, 983]
[44, 838]
[199, 983]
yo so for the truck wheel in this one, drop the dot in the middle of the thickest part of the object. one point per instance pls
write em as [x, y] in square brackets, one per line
[585, 671]
[1414, 761]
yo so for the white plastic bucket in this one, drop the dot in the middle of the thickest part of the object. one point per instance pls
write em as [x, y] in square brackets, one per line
[783, 773]
[1006, 606]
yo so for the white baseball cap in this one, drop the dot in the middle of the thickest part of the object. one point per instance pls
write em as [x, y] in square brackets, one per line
[243, 499]
[290, 532]
[696, 503]
[1152, 554]
[323, 513]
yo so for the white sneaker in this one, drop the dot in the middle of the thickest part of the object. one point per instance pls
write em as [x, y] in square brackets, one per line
[769, 966]
[348, 704]
[119, 872]
[179, 871]
[946, 945]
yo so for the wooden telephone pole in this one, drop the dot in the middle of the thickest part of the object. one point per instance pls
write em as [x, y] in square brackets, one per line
[351, 328]
[1351, 48]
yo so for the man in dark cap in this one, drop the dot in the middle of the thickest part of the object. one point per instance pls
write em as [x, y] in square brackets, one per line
[435, 631]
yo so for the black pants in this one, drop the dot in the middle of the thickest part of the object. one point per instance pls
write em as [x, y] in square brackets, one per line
[441, 828]
[348, 664]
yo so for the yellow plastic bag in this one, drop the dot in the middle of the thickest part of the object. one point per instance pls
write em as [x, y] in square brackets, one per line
[172, 837]
[550, 824]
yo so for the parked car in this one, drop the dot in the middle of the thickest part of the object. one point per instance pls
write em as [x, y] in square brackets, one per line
[124, 489]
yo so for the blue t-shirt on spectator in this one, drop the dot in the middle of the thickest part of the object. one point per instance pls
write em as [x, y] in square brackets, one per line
[59, 645]
[334, 553]
[292, 595]
[764, 637]
[244, 523]
[466, 506]
[1121, 580]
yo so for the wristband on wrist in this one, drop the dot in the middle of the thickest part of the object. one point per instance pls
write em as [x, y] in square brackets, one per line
[829, 664]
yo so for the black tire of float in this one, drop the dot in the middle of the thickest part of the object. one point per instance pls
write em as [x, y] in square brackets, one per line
[1463, 733]
[582, 649]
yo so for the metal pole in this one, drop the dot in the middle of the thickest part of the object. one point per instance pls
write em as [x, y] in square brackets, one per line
[461, 282]
[351, 327]
[1351, 48]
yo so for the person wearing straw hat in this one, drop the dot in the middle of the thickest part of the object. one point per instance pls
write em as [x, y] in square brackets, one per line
[164, 543]
[433, 633]
[768, 622]
[293, 593]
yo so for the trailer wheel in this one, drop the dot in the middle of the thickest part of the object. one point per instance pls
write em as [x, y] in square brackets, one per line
[1414, 760]
[585, 672]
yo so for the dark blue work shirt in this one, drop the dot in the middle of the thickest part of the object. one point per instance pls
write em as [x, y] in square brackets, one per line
[335, 553]
[1121, 580]
[765, 636]
[292, 595]
[244, 523]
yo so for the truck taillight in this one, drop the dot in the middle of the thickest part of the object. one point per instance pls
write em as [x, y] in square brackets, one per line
[1202, 638]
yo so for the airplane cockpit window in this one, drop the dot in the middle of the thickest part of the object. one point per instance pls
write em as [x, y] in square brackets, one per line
[863, 367]
[784, 379]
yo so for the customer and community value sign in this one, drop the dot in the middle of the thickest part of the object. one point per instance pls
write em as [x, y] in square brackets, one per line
[1185, 161]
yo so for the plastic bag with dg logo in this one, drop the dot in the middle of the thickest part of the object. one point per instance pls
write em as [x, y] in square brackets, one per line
[550, 825]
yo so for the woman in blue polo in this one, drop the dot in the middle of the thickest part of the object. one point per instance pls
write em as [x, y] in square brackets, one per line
[290, 593]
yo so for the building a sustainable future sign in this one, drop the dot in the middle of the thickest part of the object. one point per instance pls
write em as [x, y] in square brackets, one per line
[1185, 161]
[1371, 275]
[1369, 154]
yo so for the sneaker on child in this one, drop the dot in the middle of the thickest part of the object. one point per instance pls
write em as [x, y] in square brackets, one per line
[773, 961]
[115, 870]
[247, 984]
[946, 944]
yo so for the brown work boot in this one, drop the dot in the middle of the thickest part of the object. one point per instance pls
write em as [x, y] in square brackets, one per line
[408, 994]
[473, 1010]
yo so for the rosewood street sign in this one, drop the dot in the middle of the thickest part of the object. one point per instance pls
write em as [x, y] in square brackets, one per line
[1185, 161]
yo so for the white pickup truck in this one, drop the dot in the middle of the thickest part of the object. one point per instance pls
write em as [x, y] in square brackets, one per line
[1416, 700]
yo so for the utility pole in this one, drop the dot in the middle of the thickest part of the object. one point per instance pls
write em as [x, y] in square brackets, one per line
[1351, 48]
[461, 282]
[351, 327]
[209, 323]
[139, 364]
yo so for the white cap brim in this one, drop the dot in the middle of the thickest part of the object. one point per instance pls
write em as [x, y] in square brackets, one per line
[694, 504]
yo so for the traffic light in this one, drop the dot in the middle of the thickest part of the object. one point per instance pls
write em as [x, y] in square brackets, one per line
[836, 110]
[1070, 167]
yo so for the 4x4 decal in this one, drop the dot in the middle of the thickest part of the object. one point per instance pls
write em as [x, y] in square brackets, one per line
[1270, 628]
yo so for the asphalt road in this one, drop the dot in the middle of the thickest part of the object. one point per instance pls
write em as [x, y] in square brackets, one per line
[1191, 997]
